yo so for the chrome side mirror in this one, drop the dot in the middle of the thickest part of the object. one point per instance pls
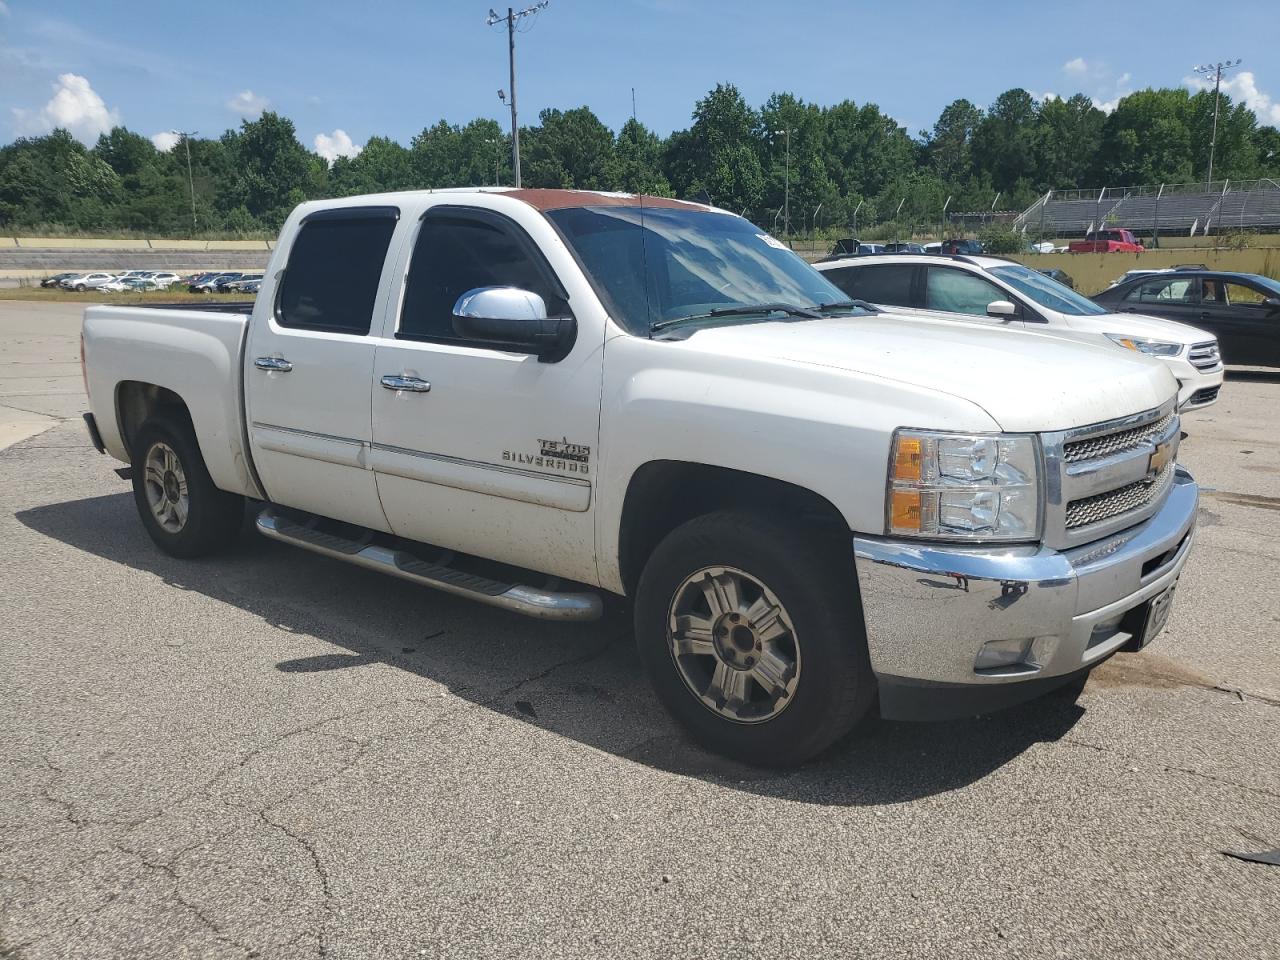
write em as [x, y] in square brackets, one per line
[1002, 308]
[513, 319]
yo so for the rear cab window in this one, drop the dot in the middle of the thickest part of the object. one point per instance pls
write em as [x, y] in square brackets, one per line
[335, 267]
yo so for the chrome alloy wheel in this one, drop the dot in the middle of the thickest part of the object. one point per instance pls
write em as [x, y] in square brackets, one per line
[166, 487]
[734, 644]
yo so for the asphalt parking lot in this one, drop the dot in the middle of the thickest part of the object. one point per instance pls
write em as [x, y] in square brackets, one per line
[272, 754]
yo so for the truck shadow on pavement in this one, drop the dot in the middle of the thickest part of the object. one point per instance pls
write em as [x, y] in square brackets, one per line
[581, 681]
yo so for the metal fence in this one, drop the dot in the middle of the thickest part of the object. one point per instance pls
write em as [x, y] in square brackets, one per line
[1223, 206]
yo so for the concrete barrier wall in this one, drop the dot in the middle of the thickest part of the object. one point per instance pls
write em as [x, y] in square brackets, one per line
[1094, 272]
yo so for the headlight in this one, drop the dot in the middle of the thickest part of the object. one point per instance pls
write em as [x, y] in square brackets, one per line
[1155, 348]
[945, 486]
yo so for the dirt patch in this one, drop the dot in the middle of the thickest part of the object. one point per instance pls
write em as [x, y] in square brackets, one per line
[1147, 670]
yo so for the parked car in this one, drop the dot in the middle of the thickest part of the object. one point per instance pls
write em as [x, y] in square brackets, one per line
[56, 279]
[237, 285]
[209, 283]
[933, 247]
[1107, 241]
[995, 291]
[87, 281]
[164, 280]
[748, 445]
[1064, 278]
[250, 286]
[903, 247]
[1241, 309]
[961, 245]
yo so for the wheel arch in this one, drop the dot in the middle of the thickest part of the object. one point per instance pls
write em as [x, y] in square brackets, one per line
[663, 494]
[136, 402]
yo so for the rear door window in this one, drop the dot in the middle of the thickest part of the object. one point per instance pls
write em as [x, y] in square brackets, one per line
[886, 283]
[1164, 291]
[1239, 295]
[335, 266]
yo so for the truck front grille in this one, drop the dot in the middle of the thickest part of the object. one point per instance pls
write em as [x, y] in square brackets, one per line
[1205, 356]
[1113, 503]
[1110, 444]
[1100, 478]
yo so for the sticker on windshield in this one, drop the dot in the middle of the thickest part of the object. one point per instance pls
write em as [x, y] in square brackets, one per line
[772, 241]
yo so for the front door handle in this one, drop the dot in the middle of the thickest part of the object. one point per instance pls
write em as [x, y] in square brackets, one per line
[277, 364]
[412, 384]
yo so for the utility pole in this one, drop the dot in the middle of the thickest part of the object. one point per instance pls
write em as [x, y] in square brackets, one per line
[511, 19]
[186, 141]
[786, 197]
[1215, 70]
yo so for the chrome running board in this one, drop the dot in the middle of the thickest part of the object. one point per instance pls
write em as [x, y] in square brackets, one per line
[543, 604]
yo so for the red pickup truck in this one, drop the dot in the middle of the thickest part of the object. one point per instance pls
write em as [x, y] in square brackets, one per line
[1107, 241]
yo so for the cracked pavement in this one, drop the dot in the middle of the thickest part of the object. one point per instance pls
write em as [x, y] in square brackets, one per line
[270, 754]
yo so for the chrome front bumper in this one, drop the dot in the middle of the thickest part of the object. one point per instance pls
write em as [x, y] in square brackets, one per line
[930, 608]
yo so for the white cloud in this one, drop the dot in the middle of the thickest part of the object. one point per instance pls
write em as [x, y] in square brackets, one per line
[4, 9]
[1124, 78]
[1044, 97]
[75, 107]
[1243, 87]
[247, 104]
[1108, 106]
[165, 140]
[331, 146]
[1077, 66]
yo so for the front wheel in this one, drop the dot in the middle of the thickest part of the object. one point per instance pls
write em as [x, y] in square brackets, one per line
[80, 288]
[752, 635]
[185, 514]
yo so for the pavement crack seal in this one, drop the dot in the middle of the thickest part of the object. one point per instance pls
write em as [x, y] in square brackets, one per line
[167, 869]
[322, 874]
[1245, 499]
[1174, 768]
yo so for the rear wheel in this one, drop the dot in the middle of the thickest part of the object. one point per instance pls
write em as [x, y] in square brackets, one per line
[752, 635]
[80, 288]
[185, 514]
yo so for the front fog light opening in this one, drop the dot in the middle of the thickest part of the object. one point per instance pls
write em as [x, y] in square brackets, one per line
[1013, 657]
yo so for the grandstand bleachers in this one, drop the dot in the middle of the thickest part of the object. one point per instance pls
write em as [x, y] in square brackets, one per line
[1172, 208]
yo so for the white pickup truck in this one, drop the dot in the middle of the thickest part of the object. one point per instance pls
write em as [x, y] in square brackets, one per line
[814, 507]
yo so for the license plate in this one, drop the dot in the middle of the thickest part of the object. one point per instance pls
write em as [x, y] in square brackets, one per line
[1158, 614]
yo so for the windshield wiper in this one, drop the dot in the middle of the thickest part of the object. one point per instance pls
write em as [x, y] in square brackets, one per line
[743, 310]
[847, 304]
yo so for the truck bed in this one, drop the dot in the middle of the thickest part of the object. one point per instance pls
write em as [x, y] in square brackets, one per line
[194, 350]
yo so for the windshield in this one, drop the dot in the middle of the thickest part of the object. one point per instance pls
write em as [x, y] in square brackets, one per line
[661, 263]
[1046, 291]
[1272, 286]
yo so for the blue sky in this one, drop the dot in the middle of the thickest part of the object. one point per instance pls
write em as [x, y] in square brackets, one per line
[345, 71]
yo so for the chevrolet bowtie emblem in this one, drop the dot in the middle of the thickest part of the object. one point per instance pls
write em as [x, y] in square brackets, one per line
[1160, 458]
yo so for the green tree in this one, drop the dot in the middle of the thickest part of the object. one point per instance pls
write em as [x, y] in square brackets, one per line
[1069, 143]
[1005, 142]
[721, 158]
[270, 169]
[569, 149]
[639, 160]
[949, 145]
[1146, 140]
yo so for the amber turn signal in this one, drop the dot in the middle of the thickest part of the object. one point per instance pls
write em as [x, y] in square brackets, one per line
[906, 459]
[905, 510]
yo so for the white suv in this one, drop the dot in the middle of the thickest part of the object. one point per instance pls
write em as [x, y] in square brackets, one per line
[992, 290]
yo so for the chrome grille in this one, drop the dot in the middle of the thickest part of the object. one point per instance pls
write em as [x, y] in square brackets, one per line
[1095, 448]
[1205, 356]
[1113, 503]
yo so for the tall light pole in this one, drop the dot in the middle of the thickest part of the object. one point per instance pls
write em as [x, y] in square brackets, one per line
[186, 141]
[786, 197]
[511, 19]
[1215, 70]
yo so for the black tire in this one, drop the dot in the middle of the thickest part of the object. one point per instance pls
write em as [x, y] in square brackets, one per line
[80, 288]
[212, 518]
[814, 581]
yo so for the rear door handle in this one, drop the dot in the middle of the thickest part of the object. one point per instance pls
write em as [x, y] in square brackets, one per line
[412, 384]
[277, 364]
